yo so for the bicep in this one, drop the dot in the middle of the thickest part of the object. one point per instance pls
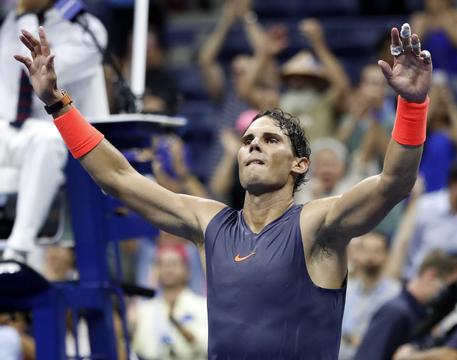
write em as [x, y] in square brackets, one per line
[359, 209]
[181, 215]
[178, 214]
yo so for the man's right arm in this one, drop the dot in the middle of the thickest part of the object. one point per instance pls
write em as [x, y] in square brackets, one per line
[181, 215]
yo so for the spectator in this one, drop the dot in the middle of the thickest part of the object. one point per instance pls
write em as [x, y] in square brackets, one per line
[174, 324]
[161, 93]
[394, 323]
[368, 110]
[328, 169]
[366, 292]
[316, 87]
[224, 92]
[33, 146]
[15, 343]
[447, 351]
[436, 26]
[439, 150]
[432, 226]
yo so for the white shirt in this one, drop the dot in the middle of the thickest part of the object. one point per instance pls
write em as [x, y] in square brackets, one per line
[435, 228]
[361, 305]
[10, 344]
[77, 63]
[155, 337]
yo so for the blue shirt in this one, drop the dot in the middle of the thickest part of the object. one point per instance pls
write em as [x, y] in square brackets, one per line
[262, 303]
[391, 326]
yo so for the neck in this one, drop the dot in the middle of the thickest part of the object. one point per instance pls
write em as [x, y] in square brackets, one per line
[260, 210]
[171, 294]
[415, 289]
[369, 281]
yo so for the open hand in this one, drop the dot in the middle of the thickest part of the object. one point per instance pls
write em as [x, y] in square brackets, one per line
[40, 66]
[411, 73]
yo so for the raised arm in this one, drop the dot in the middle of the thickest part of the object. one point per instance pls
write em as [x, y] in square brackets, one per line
[339, 81]
[360, 209]
[213, 76]
[181, 215]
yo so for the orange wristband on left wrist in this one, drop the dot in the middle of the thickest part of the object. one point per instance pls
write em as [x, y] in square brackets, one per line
[411, 122]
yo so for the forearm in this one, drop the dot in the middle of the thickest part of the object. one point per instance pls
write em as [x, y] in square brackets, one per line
[222, 179]
[433, 354]
[333, 67]
[400, 169]
[213, 44]
[404, 152]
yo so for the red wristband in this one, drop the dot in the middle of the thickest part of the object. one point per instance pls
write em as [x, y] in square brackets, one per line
[79, 136]
[410, 123]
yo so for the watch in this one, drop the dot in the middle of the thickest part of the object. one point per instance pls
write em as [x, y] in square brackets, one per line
[59, 105]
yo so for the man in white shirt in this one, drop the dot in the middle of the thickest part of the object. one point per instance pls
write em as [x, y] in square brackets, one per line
[174, 325]
[33, 149]
[435, 225]
[367, 291]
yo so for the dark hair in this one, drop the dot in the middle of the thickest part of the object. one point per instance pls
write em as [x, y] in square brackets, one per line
[290, 125]
[441, 262]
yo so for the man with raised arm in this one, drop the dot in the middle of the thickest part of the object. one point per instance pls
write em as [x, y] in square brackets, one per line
[276, 271]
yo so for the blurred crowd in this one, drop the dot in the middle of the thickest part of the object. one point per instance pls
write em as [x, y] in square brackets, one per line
[218, 63]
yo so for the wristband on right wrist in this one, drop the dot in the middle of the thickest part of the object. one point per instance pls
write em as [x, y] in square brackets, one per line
[79, 136]
[411, 122]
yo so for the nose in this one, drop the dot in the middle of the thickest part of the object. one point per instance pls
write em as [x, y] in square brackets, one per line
[254, 145]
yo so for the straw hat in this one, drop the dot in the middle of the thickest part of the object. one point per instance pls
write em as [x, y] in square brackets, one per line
[304, 64]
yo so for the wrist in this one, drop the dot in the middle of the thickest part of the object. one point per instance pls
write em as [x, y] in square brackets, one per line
[52, 98]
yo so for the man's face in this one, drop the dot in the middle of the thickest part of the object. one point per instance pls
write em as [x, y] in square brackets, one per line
[373, 253]
[266, 161]
[171, 269]
[328, 168]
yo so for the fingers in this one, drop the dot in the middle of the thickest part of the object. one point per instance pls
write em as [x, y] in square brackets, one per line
[43, 42]
[426, 56]
[25, 60]
[33, 41]
[386, 69]
[396, 47]
[27, 43]
[415, 45]
[50, 62]
[405, 35]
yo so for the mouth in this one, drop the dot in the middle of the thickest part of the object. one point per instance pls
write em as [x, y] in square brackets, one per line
[255, 162]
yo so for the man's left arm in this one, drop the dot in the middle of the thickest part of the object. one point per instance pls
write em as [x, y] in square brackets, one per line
[437, 353]
[360, 209]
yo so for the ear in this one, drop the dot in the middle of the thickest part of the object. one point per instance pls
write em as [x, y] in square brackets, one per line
[300, 165]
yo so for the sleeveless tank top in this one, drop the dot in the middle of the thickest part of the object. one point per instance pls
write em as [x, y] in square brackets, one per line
[262, 304]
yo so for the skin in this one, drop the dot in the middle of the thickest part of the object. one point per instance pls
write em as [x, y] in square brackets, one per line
[34, 6]
[327, 225]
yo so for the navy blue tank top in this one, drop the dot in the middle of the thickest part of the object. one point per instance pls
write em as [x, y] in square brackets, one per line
[262, 303]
